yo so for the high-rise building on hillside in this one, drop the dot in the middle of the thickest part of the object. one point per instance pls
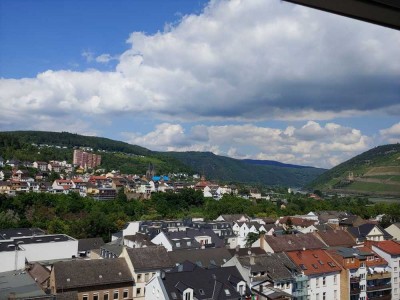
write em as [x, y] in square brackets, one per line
[86, 159]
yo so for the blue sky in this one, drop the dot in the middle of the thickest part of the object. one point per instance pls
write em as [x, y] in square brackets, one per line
[247, 79]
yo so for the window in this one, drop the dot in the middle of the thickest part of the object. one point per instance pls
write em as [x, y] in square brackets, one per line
[126, 294]
[227, 292]
[95, 296]
[138, 291]
[303, 267]
[201, 292]
[139, 277]
[335, 279]
[178, 244]
[362, 265]
[116, 295]
[105, 296]
[317, 281]
[395, 280]
[362, 275]
[85, 297]
[324, 281]
[324, 296]
[335, 294]
[317, 296]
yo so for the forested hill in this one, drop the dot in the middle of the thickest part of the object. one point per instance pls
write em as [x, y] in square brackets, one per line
[134, 159]
[67, 139]
[376, 171]
[235, 170]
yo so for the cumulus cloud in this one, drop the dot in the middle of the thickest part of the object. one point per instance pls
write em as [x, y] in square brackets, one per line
[332, 143]
[105, 58]
[237, 60]
[392, 134]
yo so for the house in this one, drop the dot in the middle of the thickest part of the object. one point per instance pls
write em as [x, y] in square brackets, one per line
[138, 240]
[188, 239]
[206, 258]
[266, 272]
[85, 246]
[369, 232]
[189, 282]
[93, 279]
[390, 251]
[41, 165]
[233, 218]
[146, 263]
[290, 242]
[394, 231]
[365, 275]
[336, 238]
[322, 271]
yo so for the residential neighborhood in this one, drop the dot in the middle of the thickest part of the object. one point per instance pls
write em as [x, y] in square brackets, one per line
[200, 259]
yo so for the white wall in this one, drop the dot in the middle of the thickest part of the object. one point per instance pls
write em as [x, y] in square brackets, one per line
[8, 258]
[161, 239]
[51, 250]
[156, 290]
[319, 289]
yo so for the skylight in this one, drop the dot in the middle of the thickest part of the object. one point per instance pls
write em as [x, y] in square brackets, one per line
[303, 267]
[227, 292]
[201, 292]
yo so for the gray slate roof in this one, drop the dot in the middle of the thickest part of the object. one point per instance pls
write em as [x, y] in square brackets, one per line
[90, 244]
[276, 266]
[209, 257]
[293, 242]
[87, 273]
[149, 258]
[19, 283]
[206, 283]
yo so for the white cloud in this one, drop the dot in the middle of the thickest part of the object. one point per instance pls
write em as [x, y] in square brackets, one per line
[392, 134]
[238, 60]
[267, 143]
[105, 58]
[88, 55]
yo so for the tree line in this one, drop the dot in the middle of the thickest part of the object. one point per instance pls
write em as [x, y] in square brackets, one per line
[83, 217]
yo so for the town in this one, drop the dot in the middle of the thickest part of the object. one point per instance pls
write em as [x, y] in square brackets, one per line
[269, 252]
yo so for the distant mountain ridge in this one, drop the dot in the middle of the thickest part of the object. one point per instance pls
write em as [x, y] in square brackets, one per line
[135, 159]
[274, 163]
[235, 170]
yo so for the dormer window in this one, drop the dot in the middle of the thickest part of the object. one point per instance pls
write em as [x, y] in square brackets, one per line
[227, 292]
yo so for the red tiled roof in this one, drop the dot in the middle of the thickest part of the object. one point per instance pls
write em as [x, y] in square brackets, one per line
[314, 261]
[390, 247]
[297, 221]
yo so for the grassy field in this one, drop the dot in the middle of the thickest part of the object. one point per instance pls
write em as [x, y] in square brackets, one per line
[373, 187]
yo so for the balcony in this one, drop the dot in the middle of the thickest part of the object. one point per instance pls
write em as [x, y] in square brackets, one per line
[382, 275]
[300, 293]
[354, 279]
[354, 291]
[379, 287]
[384, 297]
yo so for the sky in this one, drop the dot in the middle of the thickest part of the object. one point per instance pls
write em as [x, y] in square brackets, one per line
[259, 79]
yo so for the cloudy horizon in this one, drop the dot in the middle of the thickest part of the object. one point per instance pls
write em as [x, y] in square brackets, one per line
[246, 79]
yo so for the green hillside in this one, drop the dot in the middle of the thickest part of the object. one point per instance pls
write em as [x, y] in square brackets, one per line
[227, 169]
[116, 155]
[376, 171]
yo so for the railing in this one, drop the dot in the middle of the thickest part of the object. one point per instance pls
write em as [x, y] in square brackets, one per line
[300, 293]
[387, 286]
[355, 291]
[379, 275]
[385, 297]
[354, 279]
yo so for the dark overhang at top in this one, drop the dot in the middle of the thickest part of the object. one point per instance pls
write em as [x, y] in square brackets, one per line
[381, 12]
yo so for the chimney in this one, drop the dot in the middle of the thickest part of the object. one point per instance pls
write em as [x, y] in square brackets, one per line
[262, 241]
[252, 259]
